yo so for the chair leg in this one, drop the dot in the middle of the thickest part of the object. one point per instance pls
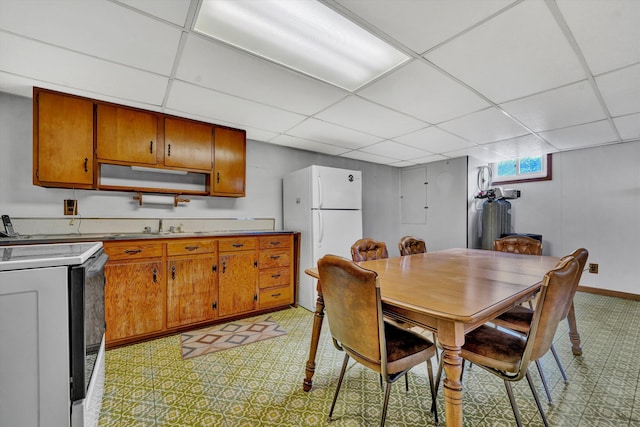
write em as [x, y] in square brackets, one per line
[514, 405]
[537, 399]
[544, 380]
[335, 396]
[434, 408]
[555, 356]
[387, 392]
[406, 381]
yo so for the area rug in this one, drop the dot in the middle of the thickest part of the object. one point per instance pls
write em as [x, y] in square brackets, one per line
[229, 335]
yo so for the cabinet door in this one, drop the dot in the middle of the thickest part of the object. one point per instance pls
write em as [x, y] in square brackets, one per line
[126, 135]
[192, 290]
[63, 140]
[188, 144]
[229, 163]
[238, 276]
[134, 298]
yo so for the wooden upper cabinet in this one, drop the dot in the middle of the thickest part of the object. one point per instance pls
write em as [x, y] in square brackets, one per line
[126, 135]
[188, 144]
[62, 140]
[229, 164]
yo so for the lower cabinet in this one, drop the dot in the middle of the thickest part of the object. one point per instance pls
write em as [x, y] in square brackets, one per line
[156, 287]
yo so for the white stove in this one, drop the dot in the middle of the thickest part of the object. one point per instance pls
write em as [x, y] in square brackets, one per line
[49, 255]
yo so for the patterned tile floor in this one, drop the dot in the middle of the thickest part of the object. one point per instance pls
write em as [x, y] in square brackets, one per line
[261, 384]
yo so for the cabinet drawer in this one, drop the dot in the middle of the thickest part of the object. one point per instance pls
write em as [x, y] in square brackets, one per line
[273, 242]
[133, 250]
[191, 247]
[237, 244]
[276, 296]
[274, 277]
[274, 258]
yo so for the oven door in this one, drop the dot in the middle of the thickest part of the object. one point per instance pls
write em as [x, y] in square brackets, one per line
[86, 320]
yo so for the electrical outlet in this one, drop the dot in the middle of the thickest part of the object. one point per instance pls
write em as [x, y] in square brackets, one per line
[593, 268]
[71, 207]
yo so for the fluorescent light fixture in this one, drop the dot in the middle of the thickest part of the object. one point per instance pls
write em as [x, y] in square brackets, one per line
[157, 170]
[304, 35]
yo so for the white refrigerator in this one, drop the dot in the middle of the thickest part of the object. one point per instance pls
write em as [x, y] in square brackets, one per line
[325, 205]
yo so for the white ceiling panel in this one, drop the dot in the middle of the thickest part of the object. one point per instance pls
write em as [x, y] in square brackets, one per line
[621, 90]
[174, 11]
[508, 58]
[368, 157]
[434, 140]
[98, 28]
[219, 106]
[421, 25]
[357, 113]
[565, 106]
[424, 92]
[305, 144]
[527, 145]
[321, 131]
[225, 69]
[479, 152]
[580, 136]
[606, 31]
[485, 126]
[395, 150]
[628, 126]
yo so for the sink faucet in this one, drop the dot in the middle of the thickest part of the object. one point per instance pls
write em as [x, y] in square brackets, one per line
[160, 226]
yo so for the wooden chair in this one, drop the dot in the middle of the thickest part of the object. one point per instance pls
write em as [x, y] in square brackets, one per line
[410, 245]
[354, 314]
[519, 319]
[518, 245]
[368, 249]
[508, 355]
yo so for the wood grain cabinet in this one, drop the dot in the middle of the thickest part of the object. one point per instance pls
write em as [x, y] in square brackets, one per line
[238, 275]
[275, 266]
[62, 140]
[192, 281]
[126, 135]
[134, 290]
[229, 168]
[188, 144]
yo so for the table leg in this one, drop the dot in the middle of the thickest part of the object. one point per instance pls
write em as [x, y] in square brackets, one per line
[451, 338]
[574, 336]
[318, 317]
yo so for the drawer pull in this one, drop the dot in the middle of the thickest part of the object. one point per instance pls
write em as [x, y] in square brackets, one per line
[274, 243]
[237, 245]
[275, 276]
[132, 251]
[191, 248]
[173, 272]
[275, 256]
[276, 295]
[155, 275]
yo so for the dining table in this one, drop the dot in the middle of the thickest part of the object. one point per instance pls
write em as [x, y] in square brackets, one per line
[449, 292]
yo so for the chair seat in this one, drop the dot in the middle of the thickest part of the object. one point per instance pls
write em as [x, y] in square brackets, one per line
[489, 346]
[518, 319]
[405, 348]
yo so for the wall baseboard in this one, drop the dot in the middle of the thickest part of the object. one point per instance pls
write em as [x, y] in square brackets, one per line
[609, 293]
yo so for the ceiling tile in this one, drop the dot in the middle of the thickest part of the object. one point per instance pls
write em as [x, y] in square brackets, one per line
[607, 32]
[321, 131]
[420, 90]
[518, 53]
[368, 157]
[73, 70]
[566, 106]
[527, 145]
[432, 158]
[621, 90]
[88, 27]
[359, 114]
[218, 106]
[423, 24]
[434, 140]
[174, 11]
[395, 150]
[479, 152]
[485, 126]
[581, 136]
[305, 144]
[628, 126]
[212, 65]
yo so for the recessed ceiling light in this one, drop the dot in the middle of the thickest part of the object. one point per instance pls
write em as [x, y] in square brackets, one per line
[304, 35]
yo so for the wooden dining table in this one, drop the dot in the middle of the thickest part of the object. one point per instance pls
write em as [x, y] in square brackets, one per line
[449, 292]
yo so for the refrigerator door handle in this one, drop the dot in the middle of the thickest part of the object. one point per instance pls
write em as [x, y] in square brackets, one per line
[321, 226]
[320, 193]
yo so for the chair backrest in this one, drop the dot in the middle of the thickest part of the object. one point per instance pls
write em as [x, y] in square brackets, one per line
[410, 245]
[518, 245]
[581, 256]
[558, 288]
[352, 303]
[368, 249]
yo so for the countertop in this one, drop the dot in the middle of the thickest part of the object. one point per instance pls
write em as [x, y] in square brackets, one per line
[90, 237]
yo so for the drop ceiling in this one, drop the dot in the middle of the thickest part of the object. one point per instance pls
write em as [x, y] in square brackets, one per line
[493, 79]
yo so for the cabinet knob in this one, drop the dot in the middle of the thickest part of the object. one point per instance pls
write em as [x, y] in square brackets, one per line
[169, 150]
[86, 163]
[218, 178]
[151, 147]
[173, 272]
[155, 275]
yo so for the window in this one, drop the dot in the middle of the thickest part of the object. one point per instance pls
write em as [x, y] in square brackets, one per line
[524, 169]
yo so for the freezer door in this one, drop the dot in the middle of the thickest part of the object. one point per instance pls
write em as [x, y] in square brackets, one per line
[334, 188]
